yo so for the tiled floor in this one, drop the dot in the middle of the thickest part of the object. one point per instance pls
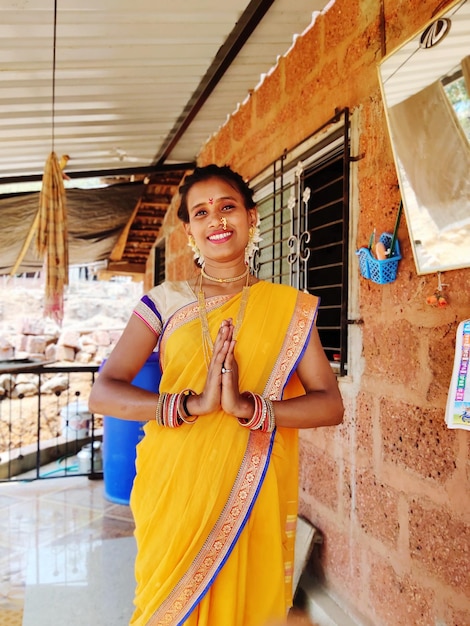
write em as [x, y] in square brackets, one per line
[67, 554]
[63, 545]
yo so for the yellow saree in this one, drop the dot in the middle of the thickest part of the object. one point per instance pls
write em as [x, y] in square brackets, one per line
[215, 504]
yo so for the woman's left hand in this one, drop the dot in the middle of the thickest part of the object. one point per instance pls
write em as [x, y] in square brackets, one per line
[232, 401]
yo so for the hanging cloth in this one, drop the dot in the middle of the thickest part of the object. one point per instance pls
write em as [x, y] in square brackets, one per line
[52, 238]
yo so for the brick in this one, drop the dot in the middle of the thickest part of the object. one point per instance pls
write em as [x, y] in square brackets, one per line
[392, 352]
[342, 560]
[36, 343]
[6, 382]
[242, 121]
[50, 353]
[33, 327]
[101, 338]
[398, 600]
[65, 353]
[83, 357]
[417, 438]
[86, 339]
[341, 23]
[114, 336]
[304, 58]
[56, 384]
[376, 507]
[24, 389]
[223, 145]
[441, 543]
[457, 617]
[363, 424]
[20, 342]
[89, 348]
[268, 98]
[69, 338]
[318, 475]
[6, 349]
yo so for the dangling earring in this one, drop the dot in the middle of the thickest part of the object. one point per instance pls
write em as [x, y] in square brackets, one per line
[197, 253]
[253, 239]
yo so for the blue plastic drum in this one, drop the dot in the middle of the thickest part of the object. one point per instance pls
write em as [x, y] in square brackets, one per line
[120, 438]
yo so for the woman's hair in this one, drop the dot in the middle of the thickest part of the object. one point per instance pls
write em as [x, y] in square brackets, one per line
[201, 174]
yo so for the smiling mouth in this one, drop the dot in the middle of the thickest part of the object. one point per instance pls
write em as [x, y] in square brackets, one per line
[220, 236]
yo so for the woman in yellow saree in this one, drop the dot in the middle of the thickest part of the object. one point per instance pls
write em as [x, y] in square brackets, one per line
[215, 495]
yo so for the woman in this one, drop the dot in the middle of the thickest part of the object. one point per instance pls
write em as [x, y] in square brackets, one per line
[215, 495]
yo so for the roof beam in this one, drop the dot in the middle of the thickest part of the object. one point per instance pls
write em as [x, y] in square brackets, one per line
[127, 171]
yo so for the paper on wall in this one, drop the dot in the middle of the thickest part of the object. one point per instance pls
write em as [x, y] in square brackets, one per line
[458, 400]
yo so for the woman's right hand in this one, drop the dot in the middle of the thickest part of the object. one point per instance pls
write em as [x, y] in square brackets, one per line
[210, 398]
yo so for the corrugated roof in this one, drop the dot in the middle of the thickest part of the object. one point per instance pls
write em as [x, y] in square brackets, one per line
[129, 75]
[124, 88]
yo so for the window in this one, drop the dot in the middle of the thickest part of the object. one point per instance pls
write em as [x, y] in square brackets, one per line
[304, 208]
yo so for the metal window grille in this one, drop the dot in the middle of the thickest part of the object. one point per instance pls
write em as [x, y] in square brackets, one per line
[304, 210]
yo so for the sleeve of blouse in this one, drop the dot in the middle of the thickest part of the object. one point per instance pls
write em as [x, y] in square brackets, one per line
[148, 312]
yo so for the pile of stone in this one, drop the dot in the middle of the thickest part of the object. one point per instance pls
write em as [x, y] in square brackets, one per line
[26, 385]
[42, 340]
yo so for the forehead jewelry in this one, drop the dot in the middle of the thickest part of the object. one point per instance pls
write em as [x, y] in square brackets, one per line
[211, 200]
[223, 221]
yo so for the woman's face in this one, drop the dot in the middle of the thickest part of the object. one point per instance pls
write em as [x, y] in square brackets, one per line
[219, 220]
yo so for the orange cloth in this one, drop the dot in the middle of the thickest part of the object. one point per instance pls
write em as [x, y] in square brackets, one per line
[52, 237]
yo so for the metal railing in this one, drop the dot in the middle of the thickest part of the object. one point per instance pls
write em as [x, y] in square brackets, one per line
[46, 430]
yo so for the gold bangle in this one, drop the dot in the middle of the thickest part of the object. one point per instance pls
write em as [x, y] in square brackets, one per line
[159, 408]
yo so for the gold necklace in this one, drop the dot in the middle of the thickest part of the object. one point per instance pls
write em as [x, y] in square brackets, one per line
[225, 280]
[207, 343]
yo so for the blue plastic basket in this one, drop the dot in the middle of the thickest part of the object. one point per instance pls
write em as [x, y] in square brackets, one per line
[380, 272]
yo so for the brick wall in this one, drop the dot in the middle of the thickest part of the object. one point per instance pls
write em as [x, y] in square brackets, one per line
[389, 487]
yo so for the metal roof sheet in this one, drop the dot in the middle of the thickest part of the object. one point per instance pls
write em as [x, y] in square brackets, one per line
[126, 75]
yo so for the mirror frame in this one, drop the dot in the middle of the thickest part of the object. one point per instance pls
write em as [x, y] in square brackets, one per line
[420, 268]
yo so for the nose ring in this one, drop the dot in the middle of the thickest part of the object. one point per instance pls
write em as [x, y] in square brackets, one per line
[223, 221]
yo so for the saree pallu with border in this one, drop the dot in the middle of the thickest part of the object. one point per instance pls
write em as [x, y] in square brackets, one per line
[215, 504]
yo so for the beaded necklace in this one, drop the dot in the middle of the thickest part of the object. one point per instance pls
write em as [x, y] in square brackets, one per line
[207, 343]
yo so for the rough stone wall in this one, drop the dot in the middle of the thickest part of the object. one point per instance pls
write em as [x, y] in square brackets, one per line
[389, 487]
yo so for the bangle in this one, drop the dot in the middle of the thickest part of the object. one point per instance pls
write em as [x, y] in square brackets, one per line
[159, 409]
[183, 412]
[263, 415]
[184, 404]
[171, 409]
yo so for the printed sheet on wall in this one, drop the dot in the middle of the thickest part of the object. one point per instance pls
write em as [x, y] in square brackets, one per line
[458, 400]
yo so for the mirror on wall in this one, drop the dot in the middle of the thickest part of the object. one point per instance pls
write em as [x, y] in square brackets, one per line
[426, 86]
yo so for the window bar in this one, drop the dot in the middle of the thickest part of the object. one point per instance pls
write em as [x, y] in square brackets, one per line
[274, 214]
[294, 204]
[292, 241]
[304, 239]
[345, 281]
